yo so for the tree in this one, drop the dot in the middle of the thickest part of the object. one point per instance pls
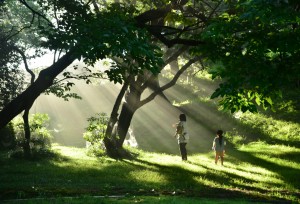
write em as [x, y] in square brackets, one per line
[100, 37]
[171, 28]
[12, 54]
[255, 48]
[11, 79]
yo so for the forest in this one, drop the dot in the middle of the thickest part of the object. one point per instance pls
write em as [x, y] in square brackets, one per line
[92, 90]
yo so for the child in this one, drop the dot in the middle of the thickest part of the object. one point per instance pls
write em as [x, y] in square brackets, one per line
[219, 146]
[182, 136]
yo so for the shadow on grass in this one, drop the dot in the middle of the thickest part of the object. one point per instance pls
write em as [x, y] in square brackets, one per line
[184, 182]
[181, 181]
[288, 174]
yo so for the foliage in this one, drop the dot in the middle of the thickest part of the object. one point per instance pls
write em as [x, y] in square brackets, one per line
[40, 141]
[110, 33]
[256, 47]
[62, 87]
[11, 84]
[95, 133]
[235, 138]
[11, 79]
[62, 26]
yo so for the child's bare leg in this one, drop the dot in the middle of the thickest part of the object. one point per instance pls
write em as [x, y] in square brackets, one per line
[222, 159]
[216, 158]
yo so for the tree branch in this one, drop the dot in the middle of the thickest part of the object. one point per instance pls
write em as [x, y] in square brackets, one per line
[25, 63]
[35, 12]
[171, 83]
[161, 13]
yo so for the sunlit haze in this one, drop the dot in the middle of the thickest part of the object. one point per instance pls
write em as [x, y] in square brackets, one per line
[151, 125]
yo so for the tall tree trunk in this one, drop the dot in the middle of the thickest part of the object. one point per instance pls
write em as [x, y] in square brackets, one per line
[27, 133]
[115, 148]
[43, 82]
[125, 118]
[129, 107]
[26, 145]
[110, 139]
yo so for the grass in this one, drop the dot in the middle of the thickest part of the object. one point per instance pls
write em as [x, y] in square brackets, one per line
[257, 172]
[127, 200]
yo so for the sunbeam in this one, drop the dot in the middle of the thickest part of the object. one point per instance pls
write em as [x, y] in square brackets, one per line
[152, 125]
[69, 118]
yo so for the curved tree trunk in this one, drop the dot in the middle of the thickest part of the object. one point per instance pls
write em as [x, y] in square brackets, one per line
[109, 138]
[132, 99]
[26, 147]
[43, 82]
[125, 118]
[27, 133]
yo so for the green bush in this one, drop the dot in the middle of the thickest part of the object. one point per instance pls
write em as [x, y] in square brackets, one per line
[95, 133]
[40, 141]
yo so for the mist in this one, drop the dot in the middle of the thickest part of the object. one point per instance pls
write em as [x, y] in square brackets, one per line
[152, 125]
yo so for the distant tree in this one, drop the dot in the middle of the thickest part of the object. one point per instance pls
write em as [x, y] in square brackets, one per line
[11, 78]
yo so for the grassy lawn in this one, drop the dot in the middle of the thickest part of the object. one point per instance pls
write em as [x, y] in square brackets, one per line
[256, 172]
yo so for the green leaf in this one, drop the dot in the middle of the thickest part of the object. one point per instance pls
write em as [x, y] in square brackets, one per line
[257, 100]
[269, 100]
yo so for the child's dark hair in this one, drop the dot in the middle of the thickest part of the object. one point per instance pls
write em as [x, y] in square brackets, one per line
[220, 134]
[182, 117]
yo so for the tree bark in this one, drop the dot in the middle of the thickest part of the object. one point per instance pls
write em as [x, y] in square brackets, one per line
[26, 145]
[110, 139]
[125, 118]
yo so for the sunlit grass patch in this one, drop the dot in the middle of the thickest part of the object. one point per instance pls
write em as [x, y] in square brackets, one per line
[253, 169]
[261, 146]
[278, 154]
[72, 152]
[148, 176]
[279, 161]
[283, 161]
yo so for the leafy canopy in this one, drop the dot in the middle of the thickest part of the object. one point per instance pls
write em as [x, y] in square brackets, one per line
[255, 47]
[109, 33]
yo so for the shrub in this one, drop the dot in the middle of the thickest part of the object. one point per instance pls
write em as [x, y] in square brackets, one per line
[40, 141]
[95, 133]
